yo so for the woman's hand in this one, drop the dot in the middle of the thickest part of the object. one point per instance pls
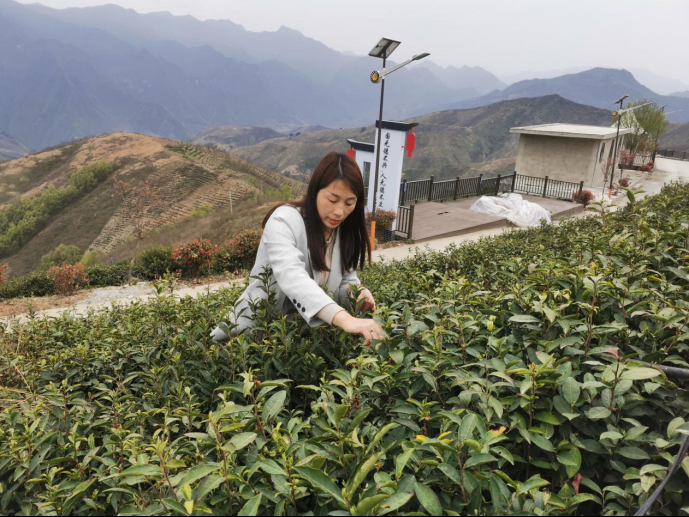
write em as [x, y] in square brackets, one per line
[367, 328]
[370, 303]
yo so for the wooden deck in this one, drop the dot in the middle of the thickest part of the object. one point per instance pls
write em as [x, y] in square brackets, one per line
[436, 220]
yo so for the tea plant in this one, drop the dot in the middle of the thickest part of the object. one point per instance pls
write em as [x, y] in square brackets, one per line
[517, 381]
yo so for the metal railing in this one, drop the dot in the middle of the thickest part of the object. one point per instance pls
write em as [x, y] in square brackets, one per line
[431, 190]
[675, 155]
[546, 187]
[405, 220]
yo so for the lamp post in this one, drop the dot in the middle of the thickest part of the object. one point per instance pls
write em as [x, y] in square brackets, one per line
[383, 49]
[617, 138]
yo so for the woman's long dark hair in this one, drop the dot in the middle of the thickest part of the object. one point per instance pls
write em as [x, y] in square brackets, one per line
[354, 242]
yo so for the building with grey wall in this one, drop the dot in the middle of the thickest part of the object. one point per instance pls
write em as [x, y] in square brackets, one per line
[567, 152]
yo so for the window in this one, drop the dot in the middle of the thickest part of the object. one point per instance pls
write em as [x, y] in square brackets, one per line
[367, 173]
[602, 152]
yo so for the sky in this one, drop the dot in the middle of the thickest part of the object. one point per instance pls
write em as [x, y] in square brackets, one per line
[504, 36]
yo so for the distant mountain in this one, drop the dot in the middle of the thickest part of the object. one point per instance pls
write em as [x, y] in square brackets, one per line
[596, 87]
[676, 139]
[305, 55]
[11, 148]
[542, 74]
[658, 83]
[191, 179]
[466, 80]
[227, 137]
[72, 73]
[449, 143]
[680, 94]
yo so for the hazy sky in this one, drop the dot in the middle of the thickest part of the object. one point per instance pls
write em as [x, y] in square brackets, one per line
[503, 36]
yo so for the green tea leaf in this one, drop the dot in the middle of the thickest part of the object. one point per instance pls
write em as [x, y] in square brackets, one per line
[636, 373]
[251, 506]
[428, 499]
[273, 405]
[321, 481]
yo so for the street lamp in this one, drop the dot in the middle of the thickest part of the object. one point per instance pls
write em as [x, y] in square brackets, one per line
[617, 138]
[383, 49]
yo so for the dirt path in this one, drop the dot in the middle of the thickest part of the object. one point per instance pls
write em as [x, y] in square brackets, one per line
[85, 301]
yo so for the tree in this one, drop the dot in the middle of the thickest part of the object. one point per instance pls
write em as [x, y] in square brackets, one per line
[144, 206]
[68, 254]
[648, 123]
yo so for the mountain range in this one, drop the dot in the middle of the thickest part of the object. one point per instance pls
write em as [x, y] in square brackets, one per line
[77, 72]
[70, 73]
[597, 87]
[449, 143]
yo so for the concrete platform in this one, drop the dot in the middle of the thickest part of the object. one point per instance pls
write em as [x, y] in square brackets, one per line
[439, 220]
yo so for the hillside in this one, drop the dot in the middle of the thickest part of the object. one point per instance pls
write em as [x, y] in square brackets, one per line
[677, 138]
[598, 87]
[449, 143]
[11, 148]
[188, 178]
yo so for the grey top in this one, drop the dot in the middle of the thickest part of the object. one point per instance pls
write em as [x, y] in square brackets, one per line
[284, 249]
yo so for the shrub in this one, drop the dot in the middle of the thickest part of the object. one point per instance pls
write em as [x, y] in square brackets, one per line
[625, 182]
[68, 254]
[384, 219]
[627, 158]
[92, 258]
[238, 253]
[583, 197]
[155, 262]
[68, 278]
[101, 275]
[194, 257]
[647, 167]
[37, 284]
[3, 274]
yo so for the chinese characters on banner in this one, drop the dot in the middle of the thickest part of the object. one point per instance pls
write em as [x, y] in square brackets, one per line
[383, 168]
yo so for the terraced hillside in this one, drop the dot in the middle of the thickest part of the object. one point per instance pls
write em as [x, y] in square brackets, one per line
[188, 177]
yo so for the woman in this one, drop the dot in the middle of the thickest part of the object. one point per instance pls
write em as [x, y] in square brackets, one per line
[310, 246]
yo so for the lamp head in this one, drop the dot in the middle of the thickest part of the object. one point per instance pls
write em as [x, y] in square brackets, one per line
[420, 56]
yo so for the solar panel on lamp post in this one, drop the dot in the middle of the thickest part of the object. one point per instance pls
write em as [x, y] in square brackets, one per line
[383, 49]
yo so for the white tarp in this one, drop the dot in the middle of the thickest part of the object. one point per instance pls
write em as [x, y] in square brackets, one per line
[514, 208]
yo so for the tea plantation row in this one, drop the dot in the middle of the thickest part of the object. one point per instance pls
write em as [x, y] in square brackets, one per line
[514, 388]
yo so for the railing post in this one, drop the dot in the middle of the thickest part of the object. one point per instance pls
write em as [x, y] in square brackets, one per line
[456, 188]
[479, 190]
[411, 221]
[545, 185]
[430, 189]
[497, 186]
[404, 192]
[514, 180]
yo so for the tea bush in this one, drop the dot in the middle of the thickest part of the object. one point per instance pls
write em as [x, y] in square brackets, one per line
[515, 386]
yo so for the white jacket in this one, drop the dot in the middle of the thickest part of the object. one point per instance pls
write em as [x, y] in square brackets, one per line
[284, 249]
